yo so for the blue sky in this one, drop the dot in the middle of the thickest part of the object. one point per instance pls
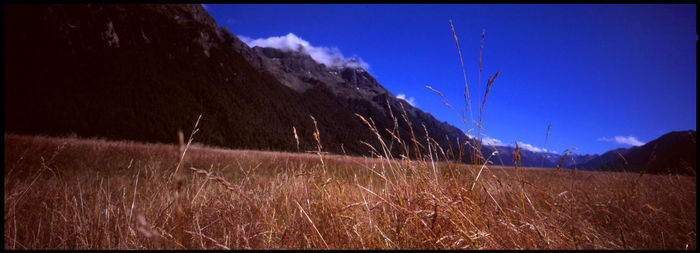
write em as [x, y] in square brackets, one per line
[605, 76]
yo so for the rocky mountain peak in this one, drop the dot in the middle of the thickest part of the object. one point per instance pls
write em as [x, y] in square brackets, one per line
[187, 13]
[358, 77]
[299, 71]
[297, 61]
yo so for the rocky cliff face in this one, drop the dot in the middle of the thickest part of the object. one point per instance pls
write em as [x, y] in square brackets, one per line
[297, 70]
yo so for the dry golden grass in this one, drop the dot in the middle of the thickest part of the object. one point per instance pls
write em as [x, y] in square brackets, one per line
[68, 193]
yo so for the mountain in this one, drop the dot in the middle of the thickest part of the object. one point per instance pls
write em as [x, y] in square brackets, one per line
[141, 72]
[528, 158]
[535, 159]
[298, 71]
[674, 152]
[575, 160]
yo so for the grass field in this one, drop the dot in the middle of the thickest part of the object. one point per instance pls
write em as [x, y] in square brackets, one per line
[71, 193]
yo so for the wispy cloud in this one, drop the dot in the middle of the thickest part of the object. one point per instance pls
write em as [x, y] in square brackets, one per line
[410, 100]
[628, 140]
[331, 57]
[534, 149]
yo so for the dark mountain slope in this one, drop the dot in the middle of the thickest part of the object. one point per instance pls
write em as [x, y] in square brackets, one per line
[357, 89]
[141, 72]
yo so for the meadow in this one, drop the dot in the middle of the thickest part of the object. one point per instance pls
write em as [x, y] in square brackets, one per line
[92, 193]
[77, 193]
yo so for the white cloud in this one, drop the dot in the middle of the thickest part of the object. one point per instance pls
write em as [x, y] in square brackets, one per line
[629, 140]
[534, 149]
[331, 57]
[410, 100]
[491, 141]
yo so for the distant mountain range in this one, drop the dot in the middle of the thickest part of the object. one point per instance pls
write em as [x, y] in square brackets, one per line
[142, 72]
[674, 152]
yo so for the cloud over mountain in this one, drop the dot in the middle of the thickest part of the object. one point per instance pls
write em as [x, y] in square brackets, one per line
[491, 141]
[533, 148]
[628, 140]
[525, 146]
[410, 100]
[331, 57]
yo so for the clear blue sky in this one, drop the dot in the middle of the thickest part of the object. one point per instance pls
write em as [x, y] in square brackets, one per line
[594, 71]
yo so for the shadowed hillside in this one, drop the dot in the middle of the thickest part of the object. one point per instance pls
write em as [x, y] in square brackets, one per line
[142, 72]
